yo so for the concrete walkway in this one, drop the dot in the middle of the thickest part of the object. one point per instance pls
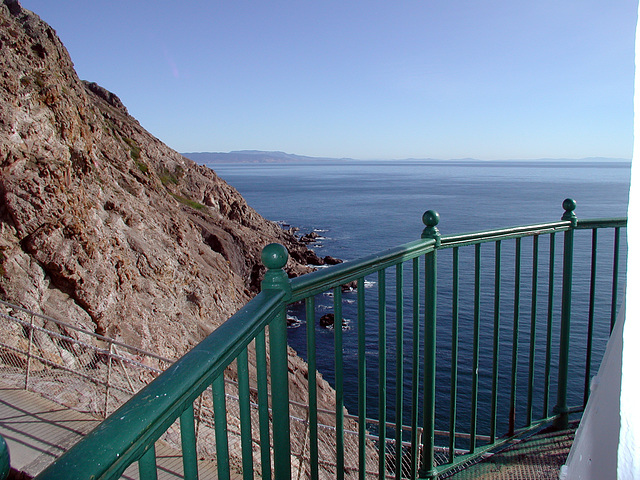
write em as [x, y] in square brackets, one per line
[38, 431]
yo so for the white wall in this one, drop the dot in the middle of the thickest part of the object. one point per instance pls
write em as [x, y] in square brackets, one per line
[607, 443]
[629, 446]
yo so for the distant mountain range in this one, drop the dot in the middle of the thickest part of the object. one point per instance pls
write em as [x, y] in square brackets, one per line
[259, 156]
[249, 156]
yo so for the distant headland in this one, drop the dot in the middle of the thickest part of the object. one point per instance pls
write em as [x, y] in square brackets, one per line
[260, 156]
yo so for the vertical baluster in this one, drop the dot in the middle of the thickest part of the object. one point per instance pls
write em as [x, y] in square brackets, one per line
[382, 371]
[592, 301]
[496, 339]
[147, 464]
[561, 409]
[280, 396]
[547, 363]
[245, 415]
[5, 461]
[514, 344]
[532, 338]
[337, 330]
[263, 404]
[362, 384]
[455, 311]
[275, 257]
[427, 468]
[399, 366]
[188, 441]
[220, 419]
[313, 385]
[476, 351]
[415, 367]
[614, 287]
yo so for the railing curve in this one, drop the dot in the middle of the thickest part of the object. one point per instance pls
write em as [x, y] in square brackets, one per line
[411, 331]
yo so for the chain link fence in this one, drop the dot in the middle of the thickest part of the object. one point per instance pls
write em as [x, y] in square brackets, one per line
[95, 374]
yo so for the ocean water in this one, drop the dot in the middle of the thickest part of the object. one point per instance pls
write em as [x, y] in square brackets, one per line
[363, 207]
[359, 208]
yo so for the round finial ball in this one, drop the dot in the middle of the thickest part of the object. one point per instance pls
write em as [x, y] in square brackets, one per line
[274, 256]
[569, 204]
[431, 218]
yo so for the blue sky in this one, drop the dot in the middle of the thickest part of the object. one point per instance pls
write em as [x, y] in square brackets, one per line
[496, 79]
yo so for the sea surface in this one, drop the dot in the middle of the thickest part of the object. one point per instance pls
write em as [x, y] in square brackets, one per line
[359, 208]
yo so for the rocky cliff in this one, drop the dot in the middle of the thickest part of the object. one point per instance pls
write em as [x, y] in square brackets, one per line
[105, 227]
[101, 224]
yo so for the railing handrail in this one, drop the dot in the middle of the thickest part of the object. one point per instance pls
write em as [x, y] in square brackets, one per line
[97, 336]
[613, 222]
[135, 426]
[145, 417]
[347, 272]
[485, 236]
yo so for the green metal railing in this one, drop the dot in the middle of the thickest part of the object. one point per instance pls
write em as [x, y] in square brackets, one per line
[4, 459]
[448, 365]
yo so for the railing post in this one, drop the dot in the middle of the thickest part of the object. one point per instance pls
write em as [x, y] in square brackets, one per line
[5, 461]
[274, 257]
[427, 469]
[561, 409]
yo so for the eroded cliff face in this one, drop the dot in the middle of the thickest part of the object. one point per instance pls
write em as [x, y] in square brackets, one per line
[101, 224]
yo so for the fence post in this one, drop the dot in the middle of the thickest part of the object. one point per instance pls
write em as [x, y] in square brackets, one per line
[274, 257]
[108, 385]
[561, 409]
[431, 218]
[28, 367]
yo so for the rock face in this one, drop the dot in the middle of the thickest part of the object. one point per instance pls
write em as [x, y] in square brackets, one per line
[103, 225]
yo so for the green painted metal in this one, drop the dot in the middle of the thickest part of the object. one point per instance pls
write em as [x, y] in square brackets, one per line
[147, 464]
[590, 317]
[476, 351]
[5, 460]
[275, 257]
[188, 442]
[516, 334]
[616, 273]
[280, 396]
[455, 317]
[532, 331]
[144, 418]
[415, 366]
[382, 371]
[310, 313]
[561, 409]
[490, 236]
[245, 415]
[263, 404]
[362, 383]
[325, 279]
[427, 467]
[220, 419]
[399, 367]
[134, 428]
[497, 277]
[339, 378]
[547, 363]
